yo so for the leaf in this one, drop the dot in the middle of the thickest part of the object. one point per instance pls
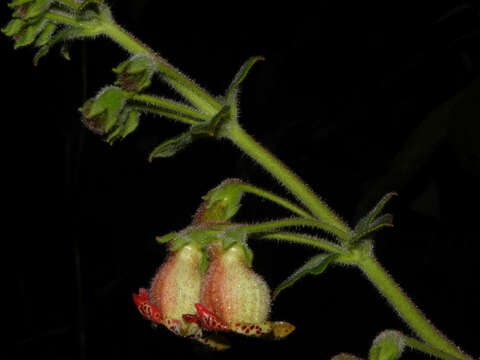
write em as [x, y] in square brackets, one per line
[16, 3]
[37, 8]
[166, 238]
[207, 128]
[46, 34]
[315, 266]
[172, 146]
[239, 77]
[388, 345]
[381, 221]
[128, 122]
[13, 27]
[29, 33]
[367, 220]
[65, 34]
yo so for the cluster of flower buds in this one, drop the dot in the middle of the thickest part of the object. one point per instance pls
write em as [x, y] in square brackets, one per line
[227, 296]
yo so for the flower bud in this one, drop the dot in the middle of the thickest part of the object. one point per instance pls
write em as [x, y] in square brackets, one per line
[233, 291]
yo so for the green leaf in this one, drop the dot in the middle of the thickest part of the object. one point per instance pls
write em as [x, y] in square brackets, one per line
[37, 8]
[13, 27]
[66, 34]
[388, 345]
[381, 221]
[135, 73]
[166, 238]
[127, 123]
[46, 34]
[171, 146]
[29, 33]
[315, 266]
[367, 220]
[16, 3]
[239, 77]
[101, 113]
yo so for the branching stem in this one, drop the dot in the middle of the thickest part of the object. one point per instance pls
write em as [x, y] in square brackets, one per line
[206, 106]
[291, 181]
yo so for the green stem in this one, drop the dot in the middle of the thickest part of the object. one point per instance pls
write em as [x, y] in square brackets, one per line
[182, 84]
[210, 106]
[63, 18]
[291, 181]
[169, 108]
[405, 307]
[427, 349]
[164, 112]
[306, 240]
[276, 199]
[275, 224]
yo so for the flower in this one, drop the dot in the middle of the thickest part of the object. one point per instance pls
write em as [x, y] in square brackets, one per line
[235, 298]
[230, 296]
[174, 291]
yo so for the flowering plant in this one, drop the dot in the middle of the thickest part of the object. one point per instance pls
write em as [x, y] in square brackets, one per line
[207, 284]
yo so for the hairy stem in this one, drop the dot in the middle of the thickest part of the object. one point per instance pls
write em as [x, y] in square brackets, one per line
[182, 84]
[291, 181]
[276, 199]
[168, 108]
[427, 349]
[209, 106]
[275, 224]
[405, 307]
[306, 240]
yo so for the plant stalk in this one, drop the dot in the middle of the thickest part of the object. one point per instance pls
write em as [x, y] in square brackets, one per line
[291, 181]
[210, 106]
[405, 307]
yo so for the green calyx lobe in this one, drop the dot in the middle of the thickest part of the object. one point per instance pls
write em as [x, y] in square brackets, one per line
[211, 224]
[135, 73]
[221, 203]
[108, 114]
[388, 345]
[38, 23]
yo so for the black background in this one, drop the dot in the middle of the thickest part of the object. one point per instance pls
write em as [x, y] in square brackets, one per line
[351, 96]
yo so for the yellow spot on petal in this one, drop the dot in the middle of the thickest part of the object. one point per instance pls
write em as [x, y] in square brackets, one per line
[281, 329]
